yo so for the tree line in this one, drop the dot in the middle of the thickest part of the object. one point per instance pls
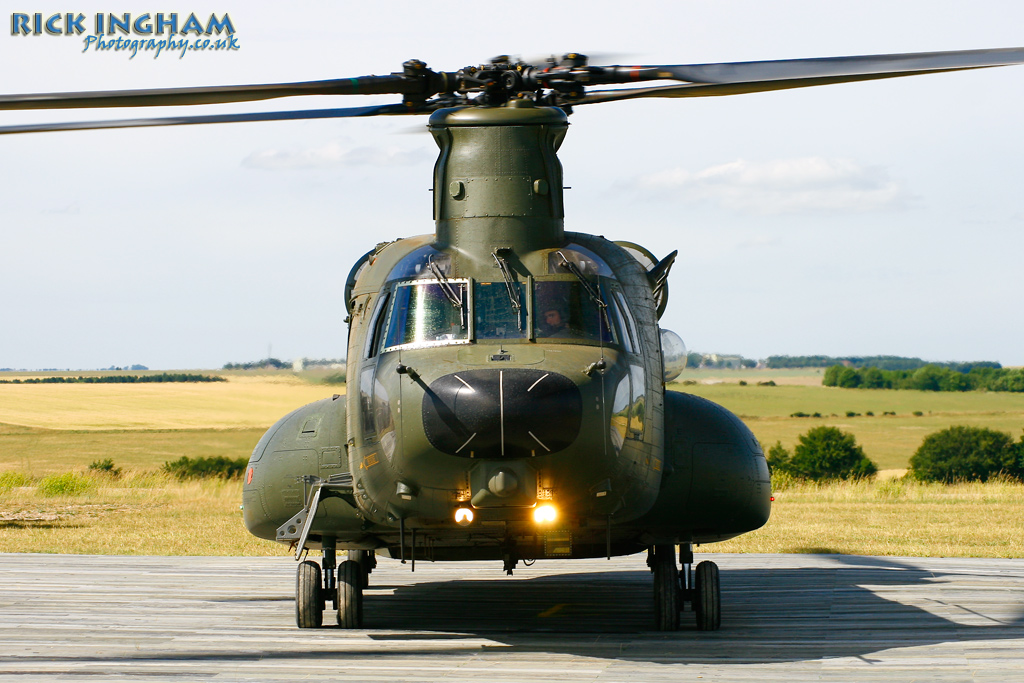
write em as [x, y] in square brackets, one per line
[880, 362]
[932, 377]
[118, 379]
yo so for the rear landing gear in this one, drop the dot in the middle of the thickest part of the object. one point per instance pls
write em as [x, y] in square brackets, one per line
[674, 587]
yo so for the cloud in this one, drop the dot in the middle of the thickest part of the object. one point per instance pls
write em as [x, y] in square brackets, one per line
[332, 154]
[806, 185]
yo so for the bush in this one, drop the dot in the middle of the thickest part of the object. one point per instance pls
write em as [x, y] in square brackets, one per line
[778, 459]
[67, 484]
[105, 466]
[967, 454]
[334, 378]
[206, 468]
[828, 453]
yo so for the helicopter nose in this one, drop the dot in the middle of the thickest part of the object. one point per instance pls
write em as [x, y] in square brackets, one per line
[511, 413]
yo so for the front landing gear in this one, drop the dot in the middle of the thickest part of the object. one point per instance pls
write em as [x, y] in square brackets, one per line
[313, 586]
[674, 587]
[707, 597]
[350, 594]
[309, 597]
[667, 603]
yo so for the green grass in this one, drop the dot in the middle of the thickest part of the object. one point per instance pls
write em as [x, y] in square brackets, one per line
[45, 451]
[888, 440]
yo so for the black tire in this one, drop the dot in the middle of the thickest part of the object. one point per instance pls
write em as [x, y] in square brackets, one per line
[707, 601]
[350, 594]
[666, 589]
[309, 599]
[367, 561]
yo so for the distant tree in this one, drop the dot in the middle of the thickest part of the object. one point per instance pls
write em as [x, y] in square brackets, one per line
[967, 454]
[829, 453]
[849, 378]
[872, 378]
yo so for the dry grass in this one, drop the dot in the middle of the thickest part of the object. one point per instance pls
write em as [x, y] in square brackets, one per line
[140, 513]
[892, 517]
[144, 513]
[244, 401]
[56, 429]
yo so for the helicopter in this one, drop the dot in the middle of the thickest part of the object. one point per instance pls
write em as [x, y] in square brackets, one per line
[507, 394]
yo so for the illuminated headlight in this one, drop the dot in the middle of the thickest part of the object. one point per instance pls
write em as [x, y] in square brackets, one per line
[544, 514]
[464, 516]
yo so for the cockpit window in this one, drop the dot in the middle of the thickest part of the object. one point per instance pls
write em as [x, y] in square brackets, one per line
[496, 315]
[416, 264]
[565, 310]
[425, 314]
[588, 262]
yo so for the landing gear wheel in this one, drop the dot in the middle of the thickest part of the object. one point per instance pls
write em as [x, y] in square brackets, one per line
[707, 601]
[350, 594]
[666, 588]
[309, 598]
[367, 560]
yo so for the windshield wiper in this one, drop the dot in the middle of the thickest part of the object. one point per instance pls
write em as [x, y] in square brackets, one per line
[510, 287]
[602, 307]
[446, 286]
[574, 269]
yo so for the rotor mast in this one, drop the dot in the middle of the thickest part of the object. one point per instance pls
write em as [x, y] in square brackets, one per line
[497, 180]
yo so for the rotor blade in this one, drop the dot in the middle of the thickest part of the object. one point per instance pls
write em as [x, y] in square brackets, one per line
[393, 84]
[387, 109]
[748, 77]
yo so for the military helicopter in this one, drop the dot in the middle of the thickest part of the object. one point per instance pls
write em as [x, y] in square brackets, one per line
[507, 394]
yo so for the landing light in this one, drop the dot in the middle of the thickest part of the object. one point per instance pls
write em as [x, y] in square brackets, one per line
[464, 516]
[545, 514]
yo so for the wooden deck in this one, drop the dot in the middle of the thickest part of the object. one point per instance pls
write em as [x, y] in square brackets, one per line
[785, 618]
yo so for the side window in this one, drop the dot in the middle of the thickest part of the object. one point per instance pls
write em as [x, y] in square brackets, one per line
[373, 337]
[620, 413]
[630, 322]
[369, 424]
[620, 324]
[638, 407]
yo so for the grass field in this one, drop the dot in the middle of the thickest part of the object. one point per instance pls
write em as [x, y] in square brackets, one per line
[888, 440]
[50, 429]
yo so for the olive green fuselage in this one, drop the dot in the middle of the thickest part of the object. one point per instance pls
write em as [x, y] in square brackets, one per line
[501, 365]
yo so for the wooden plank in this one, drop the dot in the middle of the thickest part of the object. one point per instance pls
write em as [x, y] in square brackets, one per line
[785, 618]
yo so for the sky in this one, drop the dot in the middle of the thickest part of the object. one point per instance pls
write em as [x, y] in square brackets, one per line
[855, 219]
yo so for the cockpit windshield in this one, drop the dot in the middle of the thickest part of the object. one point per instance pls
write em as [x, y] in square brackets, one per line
[424, 314]
[496, 311]
[565, 310]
